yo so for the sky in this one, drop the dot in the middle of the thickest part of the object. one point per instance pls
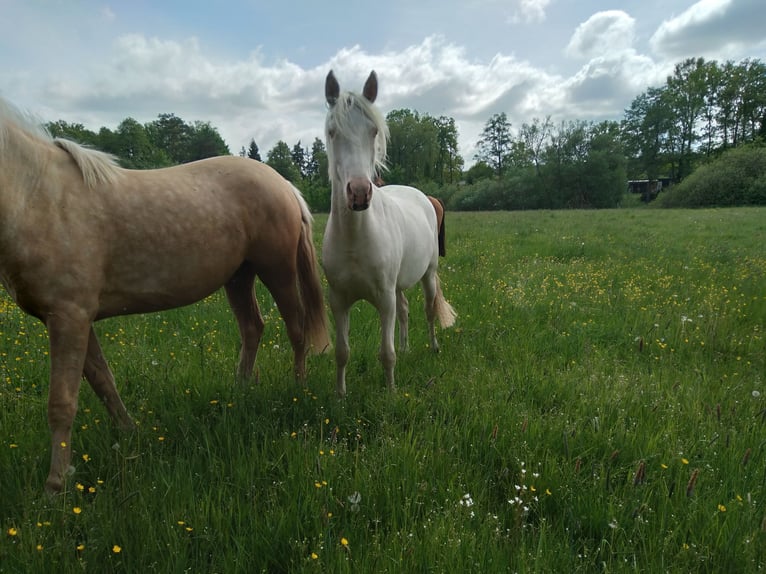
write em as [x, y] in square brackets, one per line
[255, 69]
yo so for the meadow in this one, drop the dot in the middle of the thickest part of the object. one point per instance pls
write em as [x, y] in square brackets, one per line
[600, 406]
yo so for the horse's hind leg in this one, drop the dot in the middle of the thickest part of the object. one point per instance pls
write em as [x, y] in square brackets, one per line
[429, 294]
[101, 379]
[402, 317]
[68, 347]
[239, 292]
[282, 283]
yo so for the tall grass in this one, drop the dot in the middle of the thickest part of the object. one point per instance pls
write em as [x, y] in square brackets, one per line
[600, 406]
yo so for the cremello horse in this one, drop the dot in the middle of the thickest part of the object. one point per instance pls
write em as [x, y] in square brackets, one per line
[82, 239]
[378, 241]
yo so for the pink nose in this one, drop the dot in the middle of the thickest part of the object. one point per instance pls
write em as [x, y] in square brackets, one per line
[358, 193]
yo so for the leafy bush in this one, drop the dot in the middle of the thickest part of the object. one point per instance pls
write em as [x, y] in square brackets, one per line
[737, 177]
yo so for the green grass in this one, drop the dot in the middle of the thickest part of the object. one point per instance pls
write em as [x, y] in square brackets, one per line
[600, 406]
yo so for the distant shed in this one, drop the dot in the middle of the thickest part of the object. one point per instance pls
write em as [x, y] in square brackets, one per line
[648, 188]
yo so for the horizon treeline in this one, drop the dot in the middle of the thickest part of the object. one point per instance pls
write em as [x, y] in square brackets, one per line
[702, 111]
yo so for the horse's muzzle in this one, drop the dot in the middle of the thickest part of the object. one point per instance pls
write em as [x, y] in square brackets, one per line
[358, 193]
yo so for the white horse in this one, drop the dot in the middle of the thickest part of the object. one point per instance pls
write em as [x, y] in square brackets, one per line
[378, 241]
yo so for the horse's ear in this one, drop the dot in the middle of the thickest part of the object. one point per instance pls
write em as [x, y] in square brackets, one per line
[370, 90]
[331, 89]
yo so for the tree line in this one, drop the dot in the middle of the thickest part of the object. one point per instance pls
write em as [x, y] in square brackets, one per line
[703, 111]
[166, 141]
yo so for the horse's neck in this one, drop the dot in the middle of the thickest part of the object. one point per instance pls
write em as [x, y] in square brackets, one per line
[353, 223]
[23, 163]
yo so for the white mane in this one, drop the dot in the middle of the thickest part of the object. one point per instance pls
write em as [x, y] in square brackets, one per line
[96, 166]
[11, 116]
[340, 115]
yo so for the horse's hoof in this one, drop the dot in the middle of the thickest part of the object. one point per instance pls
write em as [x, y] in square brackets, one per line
[53, 486]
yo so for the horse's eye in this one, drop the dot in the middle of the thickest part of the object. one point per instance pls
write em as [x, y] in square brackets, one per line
[331, 133]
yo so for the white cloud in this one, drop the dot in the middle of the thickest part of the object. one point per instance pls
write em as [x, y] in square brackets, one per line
[603, 33]
[605, 86]
[259, 92]
[248, 98]
[530, 11]
[713, 28]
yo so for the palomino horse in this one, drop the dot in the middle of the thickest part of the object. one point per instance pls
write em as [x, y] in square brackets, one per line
[378, 241]
[82, 239]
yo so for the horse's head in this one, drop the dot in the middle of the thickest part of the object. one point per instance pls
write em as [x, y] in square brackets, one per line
[356, 135]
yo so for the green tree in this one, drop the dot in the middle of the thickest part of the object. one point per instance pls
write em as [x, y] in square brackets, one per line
[280, 159]
[584, 166]
[317, 165]
[736, 177]
[495, 143]
[407, 148]
[252, 151]
[75, 132]
[646, 132]
[300, 158]
[529, 146]
[171, 134]
[316, 184]
[204, 141]
[449, 163]
[752, 102]
[478, 171]
[134, 148]
[686, 90]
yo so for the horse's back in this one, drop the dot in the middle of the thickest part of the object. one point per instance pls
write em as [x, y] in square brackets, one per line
[414, 203]
[217, 192]
[192, 226]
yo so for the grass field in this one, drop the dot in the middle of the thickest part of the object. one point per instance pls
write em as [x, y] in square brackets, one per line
[600, 406]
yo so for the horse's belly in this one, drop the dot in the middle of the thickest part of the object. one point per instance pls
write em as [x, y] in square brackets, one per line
[140, 288]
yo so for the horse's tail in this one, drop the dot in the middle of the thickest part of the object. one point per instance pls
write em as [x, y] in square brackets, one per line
[442, 235]
[442, 309]
[315, 330]
[438, 206]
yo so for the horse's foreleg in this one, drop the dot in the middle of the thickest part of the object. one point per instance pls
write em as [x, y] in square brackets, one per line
[387, 307]
[241, 297]
[101, 379]
[402, 317]
[68, 347]
[340, 312]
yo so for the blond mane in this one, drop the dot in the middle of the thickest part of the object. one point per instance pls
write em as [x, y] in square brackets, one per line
[340, 114]
[95, 166]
